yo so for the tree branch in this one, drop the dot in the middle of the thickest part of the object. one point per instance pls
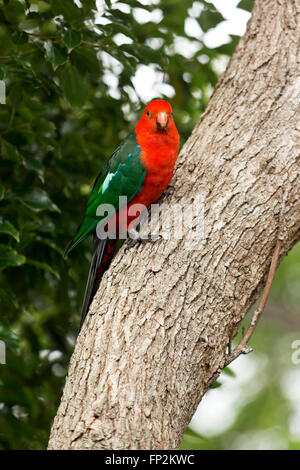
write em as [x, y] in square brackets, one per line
[158, 329]
[242, 347]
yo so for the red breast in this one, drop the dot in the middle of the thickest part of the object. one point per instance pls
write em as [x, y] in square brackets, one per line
[159, 140]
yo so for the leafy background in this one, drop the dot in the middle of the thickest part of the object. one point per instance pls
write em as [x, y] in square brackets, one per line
[69, 69]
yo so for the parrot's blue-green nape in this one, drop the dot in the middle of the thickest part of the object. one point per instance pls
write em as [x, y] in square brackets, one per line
[123, 175]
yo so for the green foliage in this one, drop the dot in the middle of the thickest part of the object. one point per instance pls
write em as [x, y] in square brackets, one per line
[74, 85]
[59, 124]
[210, 17]
[267, 404]
[71, 38]
[56, 55]
[246, 5]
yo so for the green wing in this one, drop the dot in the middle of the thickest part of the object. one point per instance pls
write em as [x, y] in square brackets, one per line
[123, 175]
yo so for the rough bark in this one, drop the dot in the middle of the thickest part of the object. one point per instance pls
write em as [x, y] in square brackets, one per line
[158, 329]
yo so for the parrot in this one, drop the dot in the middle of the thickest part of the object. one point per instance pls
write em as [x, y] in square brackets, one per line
[140, 169]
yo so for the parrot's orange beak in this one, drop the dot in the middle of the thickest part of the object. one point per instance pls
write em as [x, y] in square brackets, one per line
[162, 120]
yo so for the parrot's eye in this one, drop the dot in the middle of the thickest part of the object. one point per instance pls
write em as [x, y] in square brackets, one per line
[148, 113]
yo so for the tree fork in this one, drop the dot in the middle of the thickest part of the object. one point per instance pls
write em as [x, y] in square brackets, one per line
[158, 329]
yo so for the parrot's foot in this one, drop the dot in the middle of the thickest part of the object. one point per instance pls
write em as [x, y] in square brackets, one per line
[151, 237]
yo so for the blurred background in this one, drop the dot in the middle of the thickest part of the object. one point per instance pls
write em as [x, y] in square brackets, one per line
[74, 77]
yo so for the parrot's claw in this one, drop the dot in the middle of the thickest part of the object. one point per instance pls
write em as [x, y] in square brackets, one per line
[151, 237]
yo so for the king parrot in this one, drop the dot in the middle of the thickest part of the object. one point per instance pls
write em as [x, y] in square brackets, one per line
[141, 168]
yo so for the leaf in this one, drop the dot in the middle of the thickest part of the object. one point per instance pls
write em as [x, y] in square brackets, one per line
[2, 191]
[229, 47]
[9, 151]
[46, 126]
[45, 226]
[9, 337]
[43, 6]
[216, 384]
[9, 257]
[35, 199]
[72, 39]
[209, 18]
[14, 12]
[116, 28]
[8, 296]
[246, 5]
[31, 21]
[25, 63]
[50, 243]
[137, 4]
[229, 372]
[86, 60]
[2, 73]
[15, 94]
[32, 162]
[151, 54]
[56, 55]
[19, 37]
[44, 266]
[71, 12]
[74, 85]
[88, 6]
[49, 85]
[48, 27]
[9, 229]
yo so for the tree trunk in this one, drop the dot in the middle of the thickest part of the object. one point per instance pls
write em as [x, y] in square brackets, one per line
[158, 329]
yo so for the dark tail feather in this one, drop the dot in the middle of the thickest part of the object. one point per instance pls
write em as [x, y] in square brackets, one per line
[93, 280]
[103, 253]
